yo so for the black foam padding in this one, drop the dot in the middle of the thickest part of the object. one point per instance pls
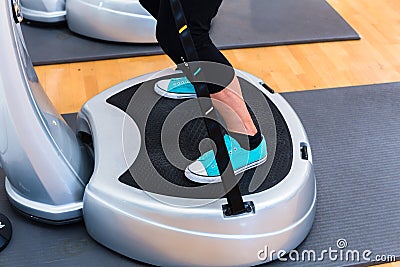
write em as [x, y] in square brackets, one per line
[240, 23]
[153, 171]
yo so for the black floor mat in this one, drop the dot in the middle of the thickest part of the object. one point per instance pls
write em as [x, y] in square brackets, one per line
[240, 23]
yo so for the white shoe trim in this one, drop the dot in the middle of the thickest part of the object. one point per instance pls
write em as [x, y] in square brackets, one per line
[217, 179]
[162, 92]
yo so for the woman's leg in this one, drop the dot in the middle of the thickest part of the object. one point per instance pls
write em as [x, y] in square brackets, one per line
[229, 102]
[226, 94]
[227, 98]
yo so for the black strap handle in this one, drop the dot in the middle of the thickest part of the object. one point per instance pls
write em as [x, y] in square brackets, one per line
[192, 70]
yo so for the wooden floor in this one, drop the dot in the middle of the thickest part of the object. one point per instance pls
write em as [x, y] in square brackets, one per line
[373, 59]
[393, 264]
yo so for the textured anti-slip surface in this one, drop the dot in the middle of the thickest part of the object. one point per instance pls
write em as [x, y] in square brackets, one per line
[174, 131]
[354, 135]
[240, 23]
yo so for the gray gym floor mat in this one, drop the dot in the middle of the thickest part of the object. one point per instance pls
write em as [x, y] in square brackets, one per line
[240, 23]
[356, 151]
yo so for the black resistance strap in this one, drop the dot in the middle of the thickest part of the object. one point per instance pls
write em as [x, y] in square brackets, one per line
[192, 70]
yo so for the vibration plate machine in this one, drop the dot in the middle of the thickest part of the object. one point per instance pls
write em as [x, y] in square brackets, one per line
[123, 168]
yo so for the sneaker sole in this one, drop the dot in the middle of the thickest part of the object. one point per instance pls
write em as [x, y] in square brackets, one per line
[217, 179]
[166, 94]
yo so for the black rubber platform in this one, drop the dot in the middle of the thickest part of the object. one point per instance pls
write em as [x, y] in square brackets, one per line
[173, 131]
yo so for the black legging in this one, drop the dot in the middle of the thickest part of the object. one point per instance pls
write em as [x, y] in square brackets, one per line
[199, 14]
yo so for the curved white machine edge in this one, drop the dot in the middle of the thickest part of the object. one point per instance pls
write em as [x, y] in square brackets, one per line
[47, 165]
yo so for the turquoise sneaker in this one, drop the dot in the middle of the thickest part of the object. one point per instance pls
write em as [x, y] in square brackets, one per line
[176, 88]
[205, 169]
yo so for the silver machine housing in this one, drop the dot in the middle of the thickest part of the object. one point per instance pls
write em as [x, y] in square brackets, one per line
[46, 165]
[178, 235]
[111, 20]
[52, 177]
[47, 11]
